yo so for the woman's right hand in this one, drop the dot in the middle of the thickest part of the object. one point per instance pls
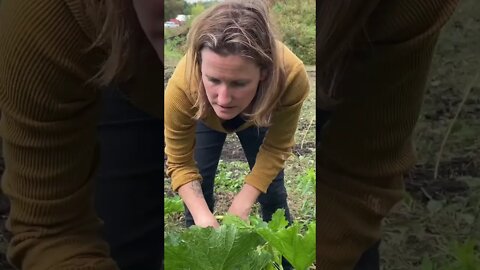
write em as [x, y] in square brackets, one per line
[207, 220]
[192, 195]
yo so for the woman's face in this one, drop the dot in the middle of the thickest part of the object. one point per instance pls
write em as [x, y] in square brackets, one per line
[230, 82]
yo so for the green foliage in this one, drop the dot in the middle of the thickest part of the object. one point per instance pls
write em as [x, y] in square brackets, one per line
[175, 47]
[172, 8]
[464, 257]
[307, 182]
[197, 9]
[278, 221]
[187, 8]
[230, 176]
[242, 245]
[225, 248]
[305, 187]
[297, 249]
[173, 205]
[296, 20]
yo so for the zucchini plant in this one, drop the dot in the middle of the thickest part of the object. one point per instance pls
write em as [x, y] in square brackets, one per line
[238, 244]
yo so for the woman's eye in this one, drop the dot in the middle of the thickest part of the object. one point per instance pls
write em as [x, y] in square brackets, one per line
[214, 81]
[238, 84]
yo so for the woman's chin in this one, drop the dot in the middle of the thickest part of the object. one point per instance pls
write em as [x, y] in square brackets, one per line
[225, 115]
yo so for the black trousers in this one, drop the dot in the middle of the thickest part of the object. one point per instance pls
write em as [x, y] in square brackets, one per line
[129, 183]
[208, 149]
[370, 259]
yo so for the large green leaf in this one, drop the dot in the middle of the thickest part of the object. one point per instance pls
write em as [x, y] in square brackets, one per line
[278, 221]
[236, 221]
[298, 249]
[225, 248]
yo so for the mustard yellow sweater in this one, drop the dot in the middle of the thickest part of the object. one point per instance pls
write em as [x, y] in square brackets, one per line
[180, 96]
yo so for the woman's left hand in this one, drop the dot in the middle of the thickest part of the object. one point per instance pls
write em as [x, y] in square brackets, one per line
[243, 201]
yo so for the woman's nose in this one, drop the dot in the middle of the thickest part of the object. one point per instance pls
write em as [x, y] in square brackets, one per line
[224, 97]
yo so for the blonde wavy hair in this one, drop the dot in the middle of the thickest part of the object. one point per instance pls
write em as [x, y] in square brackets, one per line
[244, 28]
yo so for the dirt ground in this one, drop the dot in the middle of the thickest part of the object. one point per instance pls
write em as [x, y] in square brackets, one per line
[438, 211]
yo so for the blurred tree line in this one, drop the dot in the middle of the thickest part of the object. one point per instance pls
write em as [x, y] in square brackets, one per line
[174, 7]
[295, 20]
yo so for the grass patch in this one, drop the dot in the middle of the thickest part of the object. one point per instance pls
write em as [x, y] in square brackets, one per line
[296, 20]
[230, 176]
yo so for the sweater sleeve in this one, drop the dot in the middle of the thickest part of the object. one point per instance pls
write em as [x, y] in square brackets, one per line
[48, 127]
[279, 140]
[180, 129]
[366, 147]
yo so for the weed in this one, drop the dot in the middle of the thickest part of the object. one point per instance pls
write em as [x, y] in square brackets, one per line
[230, 176]
[173, 205]
[307, 182]
[463, 257]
